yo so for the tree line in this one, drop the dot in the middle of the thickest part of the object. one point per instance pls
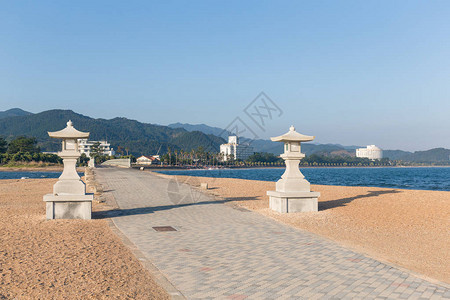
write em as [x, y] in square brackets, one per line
[200, 157]
[24, 150]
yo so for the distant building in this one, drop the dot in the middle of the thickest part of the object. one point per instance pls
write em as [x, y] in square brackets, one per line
[147, 160]
[234, 150]
[370, 152]
[84, 146]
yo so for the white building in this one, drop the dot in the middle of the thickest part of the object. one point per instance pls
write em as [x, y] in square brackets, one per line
[84, 146]
[370, 152]
[234, 150]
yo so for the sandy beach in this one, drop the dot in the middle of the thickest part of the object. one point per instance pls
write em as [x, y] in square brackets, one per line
[409, 228]
[63, 259]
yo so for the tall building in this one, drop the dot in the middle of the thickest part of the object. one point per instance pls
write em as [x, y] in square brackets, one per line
[84, 146]
[370, 152]
[234, 150]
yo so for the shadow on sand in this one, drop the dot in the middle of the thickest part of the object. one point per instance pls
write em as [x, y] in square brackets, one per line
[342, 202]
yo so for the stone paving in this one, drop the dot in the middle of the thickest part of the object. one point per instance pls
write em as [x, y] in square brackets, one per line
[220, 252]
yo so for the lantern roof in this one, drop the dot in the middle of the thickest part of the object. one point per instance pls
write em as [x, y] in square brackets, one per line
[69, 133]
[292, 136]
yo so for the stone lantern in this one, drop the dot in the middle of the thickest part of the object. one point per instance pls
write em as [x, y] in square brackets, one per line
[293, 192]
[69, 199]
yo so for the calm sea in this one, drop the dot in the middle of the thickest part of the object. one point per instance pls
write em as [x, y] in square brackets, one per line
[28, 174]
[423, 178]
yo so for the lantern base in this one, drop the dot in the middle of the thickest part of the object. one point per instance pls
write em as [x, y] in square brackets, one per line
[289, 202]
[69, 206]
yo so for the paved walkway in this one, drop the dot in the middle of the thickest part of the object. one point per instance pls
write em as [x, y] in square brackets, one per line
[220, 252]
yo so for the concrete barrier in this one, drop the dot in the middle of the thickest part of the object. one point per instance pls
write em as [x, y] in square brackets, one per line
[120, 162]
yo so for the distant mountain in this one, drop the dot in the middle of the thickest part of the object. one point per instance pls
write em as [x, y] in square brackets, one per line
[140, 138]
[200, 127]
[260, 145]
[397, 155]
[14, 112]
[432, 155]
[267, 146]
[328, 149]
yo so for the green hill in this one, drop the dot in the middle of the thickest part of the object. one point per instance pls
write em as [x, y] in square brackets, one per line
[260, 145]
[432, 155]
[139, 138]
[202, 128]
[13, 112]
[428, 156]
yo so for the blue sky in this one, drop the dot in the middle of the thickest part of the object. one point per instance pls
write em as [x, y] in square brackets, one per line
[348, 72]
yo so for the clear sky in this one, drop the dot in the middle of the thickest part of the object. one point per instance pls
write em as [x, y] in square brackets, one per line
[348, 72]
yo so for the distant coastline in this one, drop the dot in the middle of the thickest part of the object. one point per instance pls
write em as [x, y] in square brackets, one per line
[155, 168]
[36, 169]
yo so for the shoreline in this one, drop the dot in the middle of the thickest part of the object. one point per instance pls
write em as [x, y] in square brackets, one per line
[37, 169]
[29, 169]
[284, 167]
[173, 168]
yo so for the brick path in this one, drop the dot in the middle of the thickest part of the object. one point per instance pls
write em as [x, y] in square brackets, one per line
[220, 252]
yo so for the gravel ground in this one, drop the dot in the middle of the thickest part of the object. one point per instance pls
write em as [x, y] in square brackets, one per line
[410, 228]
[63, 259]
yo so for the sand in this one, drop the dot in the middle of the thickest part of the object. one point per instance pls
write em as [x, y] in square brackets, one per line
[63, 259]
[408, 228]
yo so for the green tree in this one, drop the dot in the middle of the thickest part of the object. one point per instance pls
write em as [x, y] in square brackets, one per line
[263, 157]
[3, 145]
[83, 160]
[120, 150]
[95, 150]
[23, 144]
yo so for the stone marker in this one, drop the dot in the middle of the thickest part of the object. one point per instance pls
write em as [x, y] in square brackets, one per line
[69, 199]
[204, 185]
[91, 163]
[293, 192]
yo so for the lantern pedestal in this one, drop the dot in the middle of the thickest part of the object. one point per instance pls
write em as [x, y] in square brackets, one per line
[68, 206]
[288, 202]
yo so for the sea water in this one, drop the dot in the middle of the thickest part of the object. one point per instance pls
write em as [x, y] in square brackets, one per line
[419, 178]
[29, 174]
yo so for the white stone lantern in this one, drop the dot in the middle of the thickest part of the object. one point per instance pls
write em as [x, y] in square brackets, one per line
[293, 192]
[69, 199]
